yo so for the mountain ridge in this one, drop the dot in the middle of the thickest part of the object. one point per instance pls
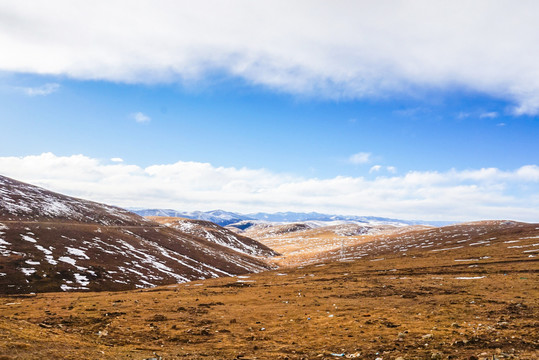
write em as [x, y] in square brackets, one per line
[53, 242]
[224, 218]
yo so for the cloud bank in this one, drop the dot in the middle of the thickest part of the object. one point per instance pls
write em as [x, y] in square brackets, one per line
[334, 49]
[487, 193]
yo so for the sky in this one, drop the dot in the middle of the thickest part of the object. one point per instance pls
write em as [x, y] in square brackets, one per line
[406, 109]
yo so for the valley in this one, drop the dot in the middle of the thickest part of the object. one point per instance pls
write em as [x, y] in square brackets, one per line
[469, 302]
[82, 280]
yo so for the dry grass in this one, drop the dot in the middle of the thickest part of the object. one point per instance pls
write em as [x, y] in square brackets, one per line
[412, 306]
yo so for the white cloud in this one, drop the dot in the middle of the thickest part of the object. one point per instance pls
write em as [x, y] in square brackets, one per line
[117, 159]
[140, 117]
[452, 195]
[343, 49]
[489, 115]
[529, 173]
[377, 168]
[43, 90]
[360, 158]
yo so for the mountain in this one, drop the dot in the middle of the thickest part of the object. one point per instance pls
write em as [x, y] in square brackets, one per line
[300, 244]
[225, 218]
[53, 242]
[212, 232]
[219, 217]
[314, 216]
[156, 212]
[511, 239]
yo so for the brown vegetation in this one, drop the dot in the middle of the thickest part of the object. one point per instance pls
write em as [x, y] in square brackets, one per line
[470, 302]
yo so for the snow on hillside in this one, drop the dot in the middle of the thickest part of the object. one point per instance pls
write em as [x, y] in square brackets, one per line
[23, 201]
[217, 234]
[53, 242]
[449, 238]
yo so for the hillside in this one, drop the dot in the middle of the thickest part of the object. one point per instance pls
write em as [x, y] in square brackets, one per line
[304, 242]
[439, 301]
[53, 242]
[217, 234]
[300, 244]
[518, 239]
[25, 202]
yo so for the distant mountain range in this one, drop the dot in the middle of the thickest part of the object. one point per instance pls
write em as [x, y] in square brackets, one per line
[225, 218]
[218, 217]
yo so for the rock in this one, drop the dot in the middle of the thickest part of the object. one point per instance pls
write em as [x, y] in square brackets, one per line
[436, 356]
[158, 317]
[427, 336]
[156, 357]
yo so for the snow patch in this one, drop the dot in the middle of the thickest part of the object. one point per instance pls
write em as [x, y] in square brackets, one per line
[28, 271]
[46, 251]
[452, 248]
[77, 252]
[28, 238]
[82, 279]
[68, 260]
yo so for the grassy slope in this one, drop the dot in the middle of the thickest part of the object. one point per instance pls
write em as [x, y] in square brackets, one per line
[412, 306]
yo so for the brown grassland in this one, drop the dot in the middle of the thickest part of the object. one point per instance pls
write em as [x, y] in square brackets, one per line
[473, 302]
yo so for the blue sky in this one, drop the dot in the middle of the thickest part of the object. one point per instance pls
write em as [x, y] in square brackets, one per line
[234, 124]
[389, 115]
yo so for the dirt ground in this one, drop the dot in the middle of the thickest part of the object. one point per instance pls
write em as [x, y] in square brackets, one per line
[466, 303]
